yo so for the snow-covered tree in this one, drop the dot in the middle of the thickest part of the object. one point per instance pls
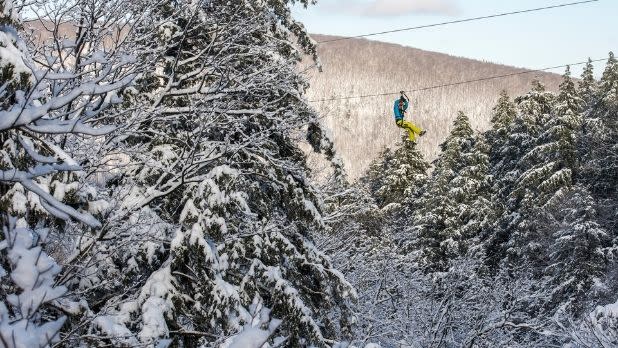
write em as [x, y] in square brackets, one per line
[600, 146]
[213, 165]
[508, 165]
[547, 169]
[397, 176]
[578, 250]
[587, 87]
[458, 185]
[60, 92]
[597, 329]
[27, 284]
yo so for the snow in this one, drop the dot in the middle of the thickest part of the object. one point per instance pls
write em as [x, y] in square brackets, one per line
[33, 273]
[153, 319]
[61, 189]
[111, 326]
[249, 338]
[9, 52]
[259, 328]
[21, 116]
[156, 299]
[99, 206]
[24, 334]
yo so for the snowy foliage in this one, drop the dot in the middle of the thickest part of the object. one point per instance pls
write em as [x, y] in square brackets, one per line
[510, 242]
[28, 285]
[154, 193]
[457, 193]
[397, 175]
[172, 128]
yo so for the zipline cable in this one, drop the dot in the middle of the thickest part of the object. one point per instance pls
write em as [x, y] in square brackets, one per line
[458, 83]
[460, 21]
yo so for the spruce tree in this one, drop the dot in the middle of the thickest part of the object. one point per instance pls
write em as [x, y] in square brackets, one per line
[456, 194]
[587, 87]
[534, 110]
[550, 167]
[479, 213]
[578, 251]
[509, 161]
[600, 146]
[502, 154]
[213, 157]
[396, 176]
[605, 180]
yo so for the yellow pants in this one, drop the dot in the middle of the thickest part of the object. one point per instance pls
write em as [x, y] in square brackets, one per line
[412, 129]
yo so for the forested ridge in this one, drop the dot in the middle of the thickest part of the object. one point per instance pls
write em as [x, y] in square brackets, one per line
[153, 193]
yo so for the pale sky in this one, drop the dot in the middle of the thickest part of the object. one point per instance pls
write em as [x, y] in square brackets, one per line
[532, 40]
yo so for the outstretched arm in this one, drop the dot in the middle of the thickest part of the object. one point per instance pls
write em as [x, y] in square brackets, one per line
[405, 96]
[407, 100]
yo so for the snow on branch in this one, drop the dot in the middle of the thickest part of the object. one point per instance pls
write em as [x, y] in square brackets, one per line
[32, 277]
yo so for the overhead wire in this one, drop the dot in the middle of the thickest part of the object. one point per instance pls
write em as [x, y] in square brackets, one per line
[457, 83]
[460, 21]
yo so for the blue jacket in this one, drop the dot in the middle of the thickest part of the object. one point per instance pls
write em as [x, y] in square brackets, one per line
[398, 114]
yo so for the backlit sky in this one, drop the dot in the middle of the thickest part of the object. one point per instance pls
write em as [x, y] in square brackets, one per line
[532, 40]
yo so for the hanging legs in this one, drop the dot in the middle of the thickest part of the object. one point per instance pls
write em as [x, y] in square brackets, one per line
[412, 129]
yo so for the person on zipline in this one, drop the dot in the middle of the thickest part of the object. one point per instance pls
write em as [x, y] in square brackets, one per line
[401, 106]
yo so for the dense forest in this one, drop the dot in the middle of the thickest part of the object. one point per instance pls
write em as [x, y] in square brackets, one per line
[154, 193]
[508, 239]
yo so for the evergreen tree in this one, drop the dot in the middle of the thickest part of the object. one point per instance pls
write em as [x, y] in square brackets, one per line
[578, 251]
[502, 154]
[213, 160]
[396, 176]
[587, 87]
[533, 113]
[536, 104]
[550, 168]
[606, 161]
[509, 162]
[503, 113]
[27, 287]
[479, 213]
[456, 194]
[600, 147]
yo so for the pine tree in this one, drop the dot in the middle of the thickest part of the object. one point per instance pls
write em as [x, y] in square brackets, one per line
[509, 162]
[480, 212]
[600, 146]
[503, 113]
[502, 154]
[587, 87]
[534, 110]
[213, 157]
[456, 195]
[537, 104]
[578, 251]
[550, 166]
[607, 113]
[396, 176]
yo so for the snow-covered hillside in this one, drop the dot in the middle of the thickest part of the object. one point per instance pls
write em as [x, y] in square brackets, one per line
[363, 127]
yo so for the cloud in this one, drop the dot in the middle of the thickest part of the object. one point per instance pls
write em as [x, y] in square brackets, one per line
[389, 8]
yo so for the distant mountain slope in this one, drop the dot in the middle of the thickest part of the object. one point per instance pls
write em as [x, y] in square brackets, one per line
[363, 127]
